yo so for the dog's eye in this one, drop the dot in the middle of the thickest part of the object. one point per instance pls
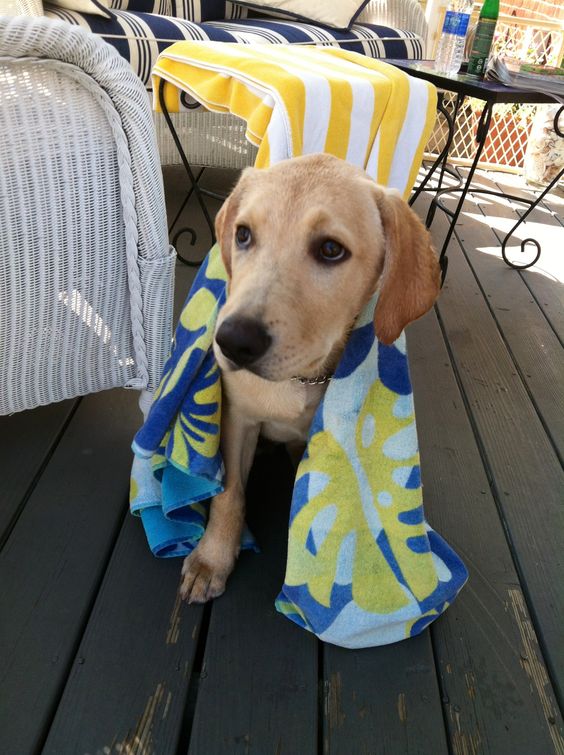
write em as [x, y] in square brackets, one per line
[243, 236]
[332, 251]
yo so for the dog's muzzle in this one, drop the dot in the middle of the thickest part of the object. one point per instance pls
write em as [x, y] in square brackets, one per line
[242, 340]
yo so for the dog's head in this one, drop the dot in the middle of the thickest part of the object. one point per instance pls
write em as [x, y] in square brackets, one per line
[306, 243]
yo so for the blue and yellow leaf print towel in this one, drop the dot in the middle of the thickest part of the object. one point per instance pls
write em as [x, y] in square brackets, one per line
[364, 568]
[177, 464]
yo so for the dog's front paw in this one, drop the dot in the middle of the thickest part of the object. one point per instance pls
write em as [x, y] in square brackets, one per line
[203, 577]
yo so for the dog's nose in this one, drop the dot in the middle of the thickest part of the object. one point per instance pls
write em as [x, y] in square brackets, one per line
[242, 340]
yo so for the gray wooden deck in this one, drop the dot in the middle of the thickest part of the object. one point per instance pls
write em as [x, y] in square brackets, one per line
[98, 656]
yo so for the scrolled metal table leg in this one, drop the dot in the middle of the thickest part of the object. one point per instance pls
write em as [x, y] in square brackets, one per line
[185, 229]
[193, 180]
[185, 202]
[174, 242]
[458, 104]
[522, 219]
[441, 159]
[523, 245]
[546, 190]
[481, 136]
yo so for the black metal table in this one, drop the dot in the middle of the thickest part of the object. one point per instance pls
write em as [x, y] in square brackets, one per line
[491, 93]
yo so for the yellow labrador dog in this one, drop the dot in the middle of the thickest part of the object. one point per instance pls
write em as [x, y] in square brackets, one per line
[306, 243]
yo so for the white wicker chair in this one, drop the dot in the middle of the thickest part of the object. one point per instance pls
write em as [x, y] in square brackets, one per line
[86, 270]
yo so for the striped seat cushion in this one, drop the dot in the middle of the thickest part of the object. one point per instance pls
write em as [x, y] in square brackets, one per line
[190, 10]
[140, 37]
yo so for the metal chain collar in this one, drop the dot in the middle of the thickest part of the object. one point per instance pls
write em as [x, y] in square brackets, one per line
[320, 380]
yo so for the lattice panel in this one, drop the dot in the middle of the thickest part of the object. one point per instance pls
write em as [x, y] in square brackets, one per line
[507, 138]
[525, 42]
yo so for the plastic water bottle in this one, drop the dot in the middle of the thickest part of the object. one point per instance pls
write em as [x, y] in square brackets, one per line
[451, 45]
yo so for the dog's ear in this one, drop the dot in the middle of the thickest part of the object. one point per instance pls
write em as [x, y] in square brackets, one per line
[410, 279]
[224, 219]
[224, 230]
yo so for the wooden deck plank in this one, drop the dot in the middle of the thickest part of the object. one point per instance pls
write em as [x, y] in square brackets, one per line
[496, 692]
[545, 278]
[26, 441]
[51, 565]
[555, 203]
[526, 477]
[261, 686]
[128, 685]
[384, 700]
[533, 344]
[258, 689]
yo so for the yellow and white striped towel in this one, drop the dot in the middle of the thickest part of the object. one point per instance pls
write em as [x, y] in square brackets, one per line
[299, 100]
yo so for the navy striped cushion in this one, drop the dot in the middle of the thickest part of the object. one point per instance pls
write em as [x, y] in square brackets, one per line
[206, 10]
[189, 10]
[164, 7]
[140, 37]
[234, 10]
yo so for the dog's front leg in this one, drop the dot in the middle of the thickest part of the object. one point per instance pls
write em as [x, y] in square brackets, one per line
[206, 569]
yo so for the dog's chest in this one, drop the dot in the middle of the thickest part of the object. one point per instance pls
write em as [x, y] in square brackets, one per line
[284, 410]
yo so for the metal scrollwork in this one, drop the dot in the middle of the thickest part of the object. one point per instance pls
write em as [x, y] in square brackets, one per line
[193, 237]
[525, 242]
[194, 185]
